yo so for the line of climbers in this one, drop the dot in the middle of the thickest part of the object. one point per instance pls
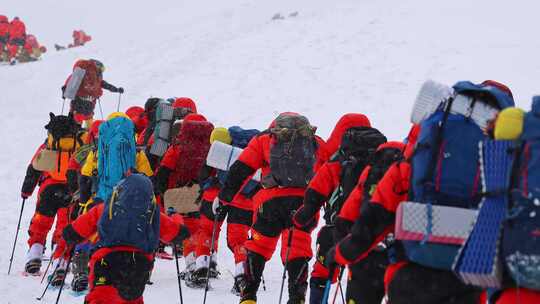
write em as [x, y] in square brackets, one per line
[404, 217]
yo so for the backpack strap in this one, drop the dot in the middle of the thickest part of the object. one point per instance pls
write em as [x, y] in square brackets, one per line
[438, 142]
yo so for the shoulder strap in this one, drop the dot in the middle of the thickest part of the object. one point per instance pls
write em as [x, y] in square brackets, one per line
[438, 142]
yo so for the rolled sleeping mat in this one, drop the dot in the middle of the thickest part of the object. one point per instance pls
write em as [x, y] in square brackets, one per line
[164, 121]
[72, 87]
[431, 95]
[221, 156]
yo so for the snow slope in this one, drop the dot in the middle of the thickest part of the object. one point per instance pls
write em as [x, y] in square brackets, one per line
[243, 68]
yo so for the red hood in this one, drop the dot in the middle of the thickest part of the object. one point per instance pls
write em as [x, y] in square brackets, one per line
[392, 145]
[185, 102]
[195, 117]
[346, 122]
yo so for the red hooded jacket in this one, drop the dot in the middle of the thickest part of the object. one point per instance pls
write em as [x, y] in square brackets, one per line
[17, 29]
[378, 217]
[328, 176]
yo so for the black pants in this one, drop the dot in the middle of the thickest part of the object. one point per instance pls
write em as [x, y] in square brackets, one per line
[126, 271]
[366, 282]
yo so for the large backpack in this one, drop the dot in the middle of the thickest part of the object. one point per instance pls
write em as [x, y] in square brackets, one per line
[116, 154]
[193, 143]
[240, 138]
[292, 152]
[131, 216]
[63, 139]
[379, 163]
[357, 146]
[84, 82]
[445, 164]
[521, 234]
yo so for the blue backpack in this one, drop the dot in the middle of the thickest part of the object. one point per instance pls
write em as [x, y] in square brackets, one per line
[131, 216]
[445, 167]
[521, 234]
[240, 139]
[116, 154]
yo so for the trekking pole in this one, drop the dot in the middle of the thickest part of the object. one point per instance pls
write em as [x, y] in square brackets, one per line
[289, 241]
[178, 275]
[338, 288]
[264, 283]
[64, 278]
[49, 265]
[328, 286]
[46, 270]
[119, 100]
[16, 236]
[100, 109]
[212, 241]
[48, 284]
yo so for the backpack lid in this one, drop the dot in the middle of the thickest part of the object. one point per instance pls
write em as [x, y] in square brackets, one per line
[241, 137]
[388, 153]
[134, 186]
[60, 126]
[361, 141]
[494, 94]
[288, 124]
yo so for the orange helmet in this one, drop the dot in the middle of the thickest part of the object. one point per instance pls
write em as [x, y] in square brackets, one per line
[137, 115]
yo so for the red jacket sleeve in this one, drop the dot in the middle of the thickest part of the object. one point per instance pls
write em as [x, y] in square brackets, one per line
[319, 190]
[377, 219]
[170, 158]
[393, 187]
[86, 225]
[253, 154]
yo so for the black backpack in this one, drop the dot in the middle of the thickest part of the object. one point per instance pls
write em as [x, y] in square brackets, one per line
[292, 153]
[380, 163]
[61, 126]
[358, 144]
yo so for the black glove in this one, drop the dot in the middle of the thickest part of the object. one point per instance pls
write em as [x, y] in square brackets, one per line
[63, 88]
[120, 90]
[303, 217]
[330, 261]
[218, 208]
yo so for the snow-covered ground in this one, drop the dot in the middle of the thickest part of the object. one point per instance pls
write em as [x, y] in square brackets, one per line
[243, 68]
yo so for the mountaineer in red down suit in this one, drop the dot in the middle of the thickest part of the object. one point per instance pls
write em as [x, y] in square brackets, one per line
[90, 89]
[121, 264]
[64, 138]
[4, 37]
[289, 154]
[332, 184]
[405, 282]
[239, 215]
[366, 278]
[180, 168]
[183, 106]
[17, 37]
[79, 38]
